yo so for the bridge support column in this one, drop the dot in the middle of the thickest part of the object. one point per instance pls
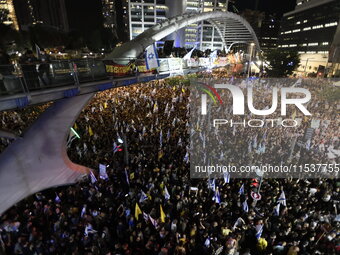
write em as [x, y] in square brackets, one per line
[39, 160]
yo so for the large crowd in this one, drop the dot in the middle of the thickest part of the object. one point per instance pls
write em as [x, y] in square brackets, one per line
[148, 204]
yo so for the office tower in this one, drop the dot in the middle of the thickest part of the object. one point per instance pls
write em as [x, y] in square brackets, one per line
[7, 14]
[310, 29]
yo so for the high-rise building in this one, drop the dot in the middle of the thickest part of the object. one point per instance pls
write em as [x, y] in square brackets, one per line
[7, 14]
[310, 30]
[208, 36]
[109, 16]
[269, 32]
[145, 14]
[51, 13]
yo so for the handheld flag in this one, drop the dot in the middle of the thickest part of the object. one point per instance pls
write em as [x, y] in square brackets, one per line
[37, 49]
[93, 177]
[245, 206]
[226, 177]
[102, 172]
[282, 199]
[217, 197]
[259, 230]
[277, 210]
[90, 131]
[166, 193]
[138, 211]
[57, 198]
[153, 221]
[188, 55]
[143, 197]
[83, 211]
[241, 191]
[162, 214]
[151, 57]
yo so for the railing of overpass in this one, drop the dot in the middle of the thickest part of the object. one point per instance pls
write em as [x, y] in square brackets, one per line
[24, 79]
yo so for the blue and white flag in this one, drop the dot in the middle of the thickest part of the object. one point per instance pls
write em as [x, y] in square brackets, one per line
[127, 177]
[166, 193]
[186, 158]
[217, 196]
[226, 176]
[57, 198]
[188, 55]
[277, 210]
[160, 139]
[211, 184]
[102, 172]
[115, 147]
[259, 230]
[282, 199]
[241, 191]
[83, 211]
[143, 197]
[93, 177]
[151, 57]
[245, 206]
[213, 55]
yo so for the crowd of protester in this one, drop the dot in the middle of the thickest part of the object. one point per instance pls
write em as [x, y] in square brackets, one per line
[148, 204]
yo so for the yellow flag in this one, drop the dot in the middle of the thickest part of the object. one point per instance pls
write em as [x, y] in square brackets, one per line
[138, 211]
[160, 154]
[105, 105]
[75, 126]
[132, 176]
[183, 90]
[162, 214]
[294, 115]
[90, 131]
[174, 88]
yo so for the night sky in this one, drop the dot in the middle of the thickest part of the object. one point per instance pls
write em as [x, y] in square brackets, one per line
[268, 6]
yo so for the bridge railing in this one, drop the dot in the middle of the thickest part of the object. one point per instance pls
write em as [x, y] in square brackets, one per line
[28, 78]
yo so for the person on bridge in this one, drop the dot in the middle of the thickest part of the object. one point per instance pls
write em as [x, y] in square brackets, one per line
[5, 69]
[28, 66]
[44, 67]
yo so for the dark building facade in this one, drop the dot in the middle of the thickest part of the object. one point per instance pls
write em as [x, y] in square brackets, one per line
[46, 12]
[269, 32]
[310, 28]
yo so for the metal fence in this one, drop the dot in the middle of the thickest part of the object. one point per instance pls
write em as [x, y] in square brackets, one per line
[26, 78]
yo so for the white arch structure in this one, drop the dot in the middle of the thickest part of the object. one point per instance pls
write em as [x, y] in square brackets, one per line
[230, 26]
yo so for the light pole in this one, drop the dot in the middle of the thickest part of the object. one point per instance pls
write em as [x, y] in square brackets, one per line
[250, 56]
[306, 65]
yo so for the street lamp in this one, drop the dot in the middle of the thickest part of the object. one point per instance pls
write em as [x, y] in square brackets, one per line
[306, 65]
[250, 56]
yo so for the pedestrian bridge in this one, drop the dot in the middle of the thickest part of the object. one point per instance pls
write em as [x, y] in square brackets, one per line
[38, 160]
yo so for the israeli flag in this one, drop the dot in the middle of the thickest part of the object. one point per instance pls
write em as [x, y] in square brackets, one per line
[93, 177]
[282, 199]
[188, 55]
[259, 230]
[151, 57]
[245, 206]
[226, 177]
[217, 197]
[241, 191]
[166, 193]
[143, 197]
[102, 172]
[186, 158]
[57, 198]
[277, 210]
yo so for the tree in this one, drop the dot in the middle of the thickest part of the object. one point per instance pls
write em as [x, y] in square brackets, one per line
[281, 63]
